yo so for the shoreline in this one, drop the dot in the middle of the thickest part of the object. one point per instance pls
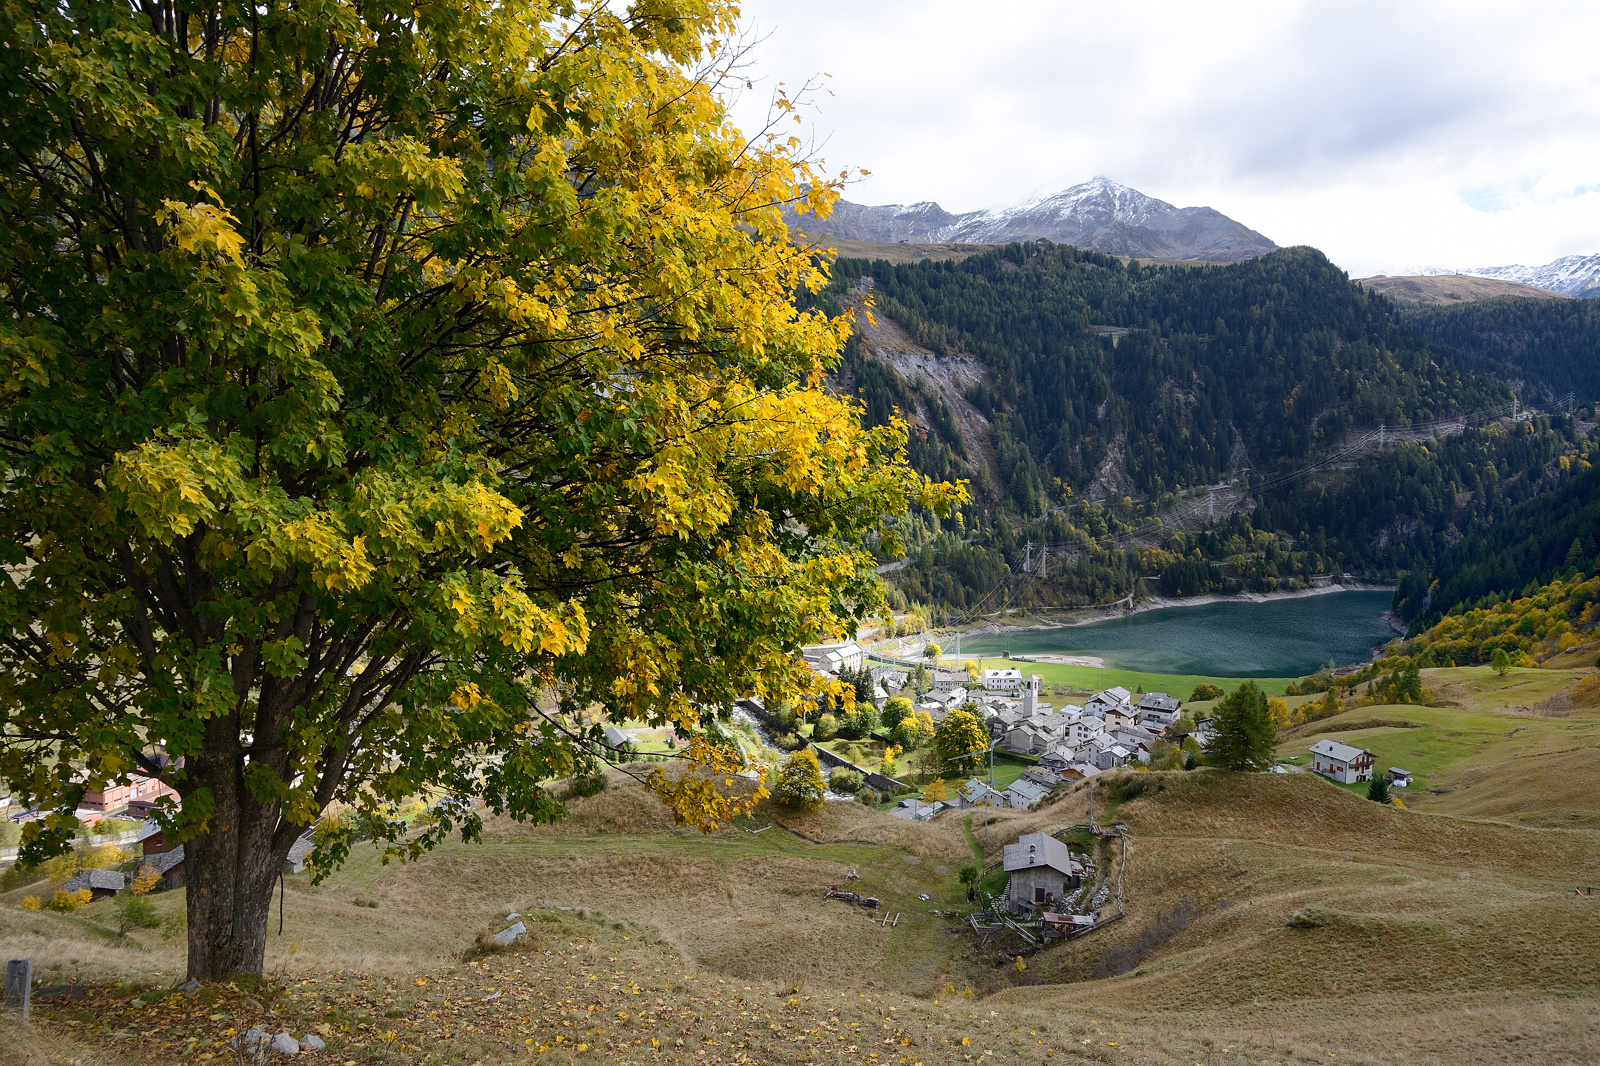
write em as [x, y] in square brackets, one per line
[1156, 603]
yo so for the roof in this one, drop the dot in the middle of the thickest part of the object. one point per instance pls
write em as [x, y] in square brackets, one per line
[1158, 701]
[99, 880]
[1040, 849]
[1397, 770]
[1335, 750]
[1003, 674]
[1027, 789]
[164, 862]
[615, 737]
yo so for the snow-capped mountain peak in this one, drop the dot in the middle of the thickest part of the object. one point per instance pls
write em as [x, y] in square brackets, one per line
[1099, 214]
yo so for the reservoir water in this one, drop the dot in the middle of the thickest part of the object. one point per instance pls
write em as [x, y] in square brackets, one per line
[1233, 638]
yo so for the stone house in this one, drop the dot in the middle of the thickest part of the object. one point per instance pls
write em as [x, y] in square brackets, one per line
[100, 883]
[1042, 872]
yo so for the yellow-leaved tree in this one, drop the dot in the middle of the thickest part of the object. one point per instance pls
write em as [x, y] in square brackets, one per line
[384, 391]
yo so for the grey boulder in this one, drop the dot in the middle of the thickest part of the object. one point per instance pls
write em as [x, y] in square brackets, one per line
[507, 937]
[311, 1042]
[284, 1044]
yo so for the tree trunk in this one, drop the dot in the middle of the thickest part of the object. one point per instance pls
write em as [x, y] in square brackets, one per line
[230, 869]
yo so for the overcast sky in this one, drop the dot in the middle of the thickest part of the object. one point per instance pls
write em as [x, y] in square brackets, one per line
[1390, 135]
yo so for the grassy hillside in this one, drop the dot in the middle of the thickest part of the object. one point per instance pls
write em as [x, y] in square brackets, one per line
[1416, 937]
[1524, 748]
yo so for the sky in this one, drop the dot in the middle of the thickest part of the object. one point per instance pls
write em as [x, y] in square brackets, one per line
[1393, 136]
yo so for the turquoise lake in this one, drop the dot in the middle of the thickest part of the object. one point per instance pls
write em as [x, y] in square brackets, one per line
[1235, 638]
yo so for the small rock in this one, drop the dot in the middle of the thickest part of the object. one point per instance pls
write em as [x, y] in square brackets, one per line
[513, 916]
[312, 1042]
[251, 1039]
[252, 1004]
[284, 1044]
[189, 986]
[507, 937]
[491, 999]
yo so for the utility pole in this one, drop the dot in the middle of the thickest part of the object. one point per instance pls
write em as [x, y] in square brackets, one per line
[1044, 562]
[1211, 507]
[1380, 436]
[1027, 558]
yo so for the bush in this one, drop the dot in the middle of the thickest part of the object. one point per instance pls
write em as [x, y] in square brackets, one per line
[31, 903]
[586, 784]
[66, 902]
[134, 912]
[800, 784]
[844, 779]
[1205, 691]
[787, 742]
[969, 874]
[869, 797]
[827, 727]
[18, 874]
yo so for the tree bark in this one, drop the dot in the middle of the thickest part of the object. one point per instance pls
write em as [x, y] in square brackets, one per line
[230, 867]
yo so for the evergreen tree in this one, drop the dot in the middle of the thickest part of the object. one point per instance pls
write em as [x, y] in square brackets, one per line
[1246, 734]
[1502, 661]
[1378, 791]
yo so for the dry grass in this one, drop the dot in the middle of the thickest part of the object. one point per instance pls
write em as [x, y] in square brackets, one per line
[1431, 939]
[1445, 289]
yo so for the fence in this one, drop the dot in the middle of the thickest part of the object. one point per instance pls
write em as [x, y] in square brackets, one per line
[127, 836]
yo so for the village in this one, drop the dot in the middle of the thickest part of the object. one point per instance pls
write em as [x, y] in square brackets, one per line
[1046, 881]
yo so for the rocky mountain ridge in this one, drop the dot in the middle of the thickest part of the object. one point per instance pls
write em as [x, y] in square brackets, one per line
[1571, 275]
[1099, 215]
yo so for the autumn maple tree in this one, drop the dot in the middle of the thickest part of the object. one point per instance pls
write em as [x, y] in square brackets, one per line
[388, 393]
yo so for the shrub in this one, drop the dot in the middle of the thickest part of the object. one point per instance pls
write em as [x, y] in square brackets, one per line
[969, 874]
[800, 783]
[869, 797]
[1205, 691]
[66, 902]
[134, 912]
[844, 779]
[31, 903]
[827, 727]
[787, 742]
[586, 784]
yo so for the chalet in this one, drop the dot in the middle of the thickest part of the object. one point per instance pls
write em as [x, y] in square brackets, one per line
[100, 883]
[1042, 872]
[1158, 710]
[1341, 762]
[1080, 771]
[1007, 681]
[1023, 793]
[1204, 730]
[950, 680]
[1399, 778]
[617, 738]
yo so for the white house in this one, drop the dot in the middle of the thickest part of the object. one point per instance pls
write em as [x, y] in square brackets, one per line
[844, 657]
[1158, 710]
[1024, 793]
[1341, 762]
[1042, 872]
[1006, 681]
[976, 793]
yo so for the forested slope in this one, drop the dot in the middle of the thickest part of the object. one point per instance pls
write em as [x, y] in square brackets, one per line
[1111, 385]
[1551, 346]
[1175, 374]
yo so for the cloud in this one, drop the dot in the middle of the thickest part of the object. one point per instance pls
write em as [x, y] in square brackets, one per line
[1379, 132]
